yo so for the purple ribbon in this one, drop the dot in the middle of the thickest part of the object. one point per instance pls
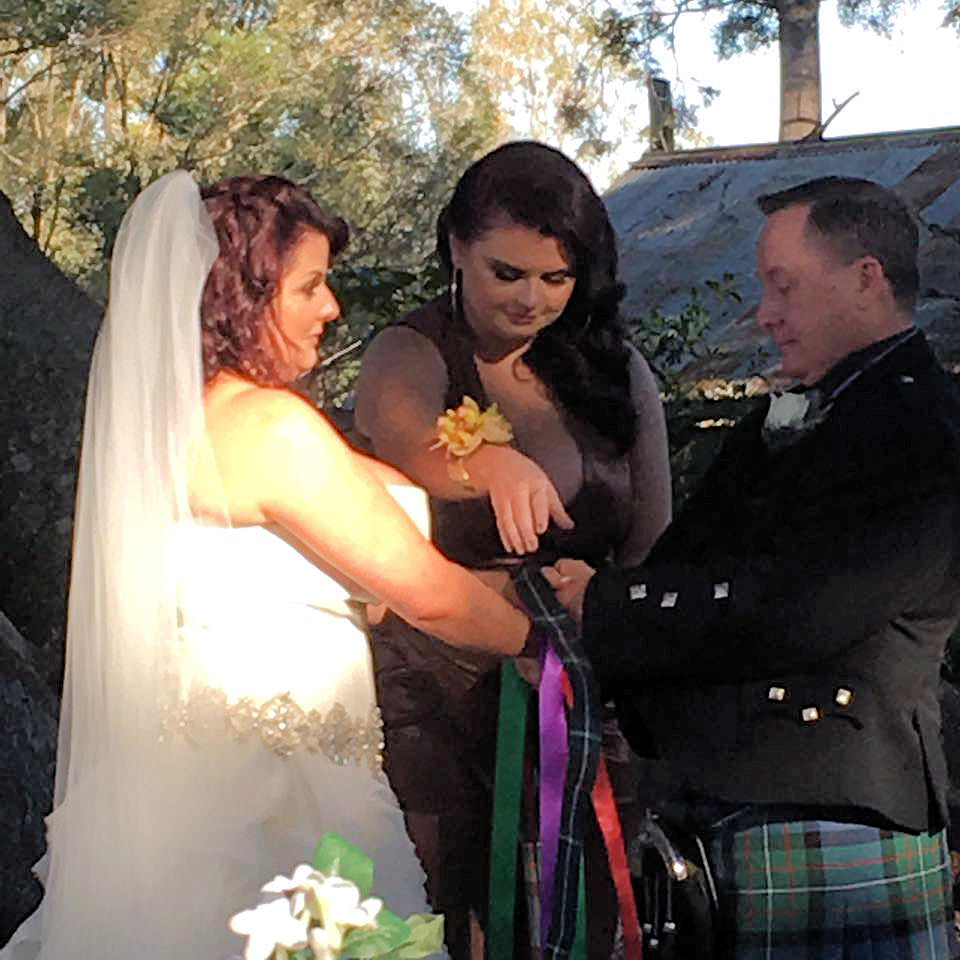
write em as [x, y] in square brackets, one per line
[553, 771]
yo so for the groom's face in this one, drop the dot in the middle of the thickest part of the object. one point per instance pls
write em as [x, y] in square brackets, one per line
[809, 296]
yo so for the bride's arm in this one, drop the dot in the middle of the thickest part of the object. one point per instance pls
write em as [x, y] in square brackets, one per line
[384, 472]
[305, 478]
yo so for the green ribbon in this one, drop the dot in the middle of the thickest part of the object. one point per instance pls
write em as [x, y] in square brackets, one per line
[505, 840]
[508, 787]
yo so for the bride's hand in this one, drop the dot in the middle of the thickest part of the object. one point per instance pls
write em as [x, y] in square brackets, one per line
[523, 497]
[569, 579]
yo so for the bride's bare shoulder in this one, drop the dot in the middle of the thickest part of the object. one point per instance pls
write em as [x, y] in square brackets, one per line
[260, 438]
[238, 409]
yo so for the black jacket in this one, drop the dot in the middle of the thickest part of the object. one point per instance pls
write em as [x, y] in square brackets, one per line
[782, 643]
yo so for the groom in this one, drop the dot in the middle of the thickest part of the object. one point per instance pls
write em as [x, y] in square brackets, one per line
[780, 649]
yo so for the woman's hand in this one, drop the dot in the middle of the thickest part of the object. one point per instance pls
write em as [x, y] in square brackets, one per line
[569, 579]
[523, 497]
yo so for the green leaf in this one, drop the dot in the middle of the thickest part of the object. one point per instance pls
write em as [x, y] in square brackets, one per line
[426, 936]
[334, 855]
[365, 943]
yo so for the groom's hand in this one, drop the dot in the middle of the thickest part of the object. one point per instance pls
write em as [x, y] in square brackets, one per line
[569, 579]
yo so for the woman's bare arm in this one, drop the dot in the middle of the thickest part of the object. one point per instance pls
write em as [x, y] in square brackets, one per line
[284, 464]
[400, 394]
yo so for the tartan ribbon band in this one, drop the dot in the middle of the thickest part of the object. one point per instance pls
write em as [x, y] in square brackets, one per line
[556, 628]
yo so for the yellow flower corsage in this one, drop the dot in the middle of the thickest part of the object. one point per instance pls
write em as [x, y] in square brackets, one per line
[461, 431]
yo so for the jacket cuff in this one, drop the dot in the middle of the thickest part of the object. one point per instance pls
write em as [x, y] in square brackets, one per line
[603, 615]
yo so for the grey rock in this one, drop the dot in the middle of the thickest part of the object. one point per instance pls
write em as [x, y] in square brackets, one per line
[47, 327]
[28, 732]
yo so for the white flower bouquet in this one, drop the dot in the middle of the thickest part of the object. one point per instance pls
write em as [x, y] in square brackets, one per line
[324, 912]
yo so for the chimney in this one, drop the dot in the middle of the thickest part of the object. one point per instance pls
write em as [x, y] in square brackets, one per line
[661, 115]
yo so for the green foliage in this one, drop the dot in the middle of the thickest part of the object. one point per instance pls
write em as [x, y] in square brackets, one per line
[370, 298]
[102, 197]
[876, 15]
[670, 340]
[370, 104]
[334, 855]
[559, 75]
[383, 940]
[747, 24]
[31, 24]
[745, 29]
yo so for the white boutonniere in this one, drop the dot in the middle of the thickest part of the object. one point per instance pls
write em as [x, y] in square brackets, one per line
[789, 416]
[787, 411]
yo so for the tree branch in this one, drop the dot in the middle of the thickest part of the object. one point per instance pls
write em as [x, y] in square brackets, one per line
[817, 132]
[57, 196]
[39, 75]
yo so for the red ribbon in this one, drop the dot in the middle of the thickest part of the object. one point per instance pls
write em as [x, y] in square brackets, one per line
[608, 817]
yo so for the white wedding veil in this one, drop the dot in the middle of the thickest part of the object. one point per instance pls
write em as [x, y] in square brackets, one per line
[143, 423]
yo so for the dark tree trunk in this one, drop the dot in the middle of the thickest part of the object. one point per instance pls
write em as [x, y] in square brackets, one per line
[799, 68]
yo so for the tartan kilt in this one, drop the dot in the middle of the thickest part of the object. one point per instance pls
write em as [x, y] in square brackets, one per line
[820, 890]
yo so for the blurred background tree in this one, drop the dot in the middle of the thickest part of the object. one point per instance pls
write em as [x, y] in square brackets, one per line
[99, 98]
[747, 25]
[376, 105]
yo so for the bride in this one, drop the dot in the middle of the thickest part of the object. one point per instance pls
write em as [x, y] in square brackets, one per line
[218, 712]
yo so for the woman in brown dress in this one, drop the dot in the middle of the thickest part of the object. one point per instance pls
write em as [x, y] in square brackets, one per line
[531, 323]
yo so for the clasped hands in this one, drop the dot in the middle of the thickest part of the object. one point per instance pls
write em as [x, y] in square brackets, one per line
[569, 579]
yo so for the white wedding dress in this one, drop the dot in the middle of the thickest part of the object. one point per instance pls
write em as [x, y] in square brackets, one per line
[218, 712]
[274, 741]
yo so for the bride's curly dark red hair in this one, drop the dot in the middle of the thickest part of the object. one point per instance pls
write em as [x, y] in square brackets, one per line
[258, 221]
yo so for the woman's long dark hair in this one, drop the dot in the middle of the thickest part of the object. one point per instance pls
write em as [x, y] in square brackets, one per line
[582, 357]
